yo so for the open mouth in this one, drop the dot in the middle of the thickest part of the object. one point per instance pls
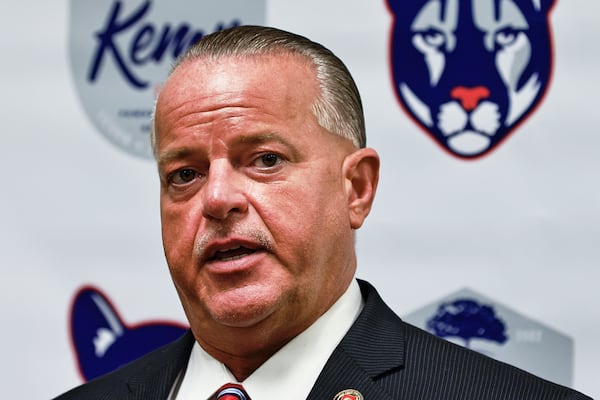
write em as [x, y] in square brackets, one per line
[231, 254]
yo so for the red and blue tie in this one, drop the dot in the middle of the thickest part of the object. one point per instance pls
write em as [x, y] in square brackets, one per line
[231, 391]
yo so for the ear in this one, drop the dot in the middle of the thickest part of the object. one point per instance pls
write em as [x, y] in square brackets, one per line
[361, 172]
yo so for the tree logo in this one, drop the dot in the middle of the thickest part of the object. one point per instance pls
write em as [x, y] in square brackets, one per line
[484, 325]
[467, 319]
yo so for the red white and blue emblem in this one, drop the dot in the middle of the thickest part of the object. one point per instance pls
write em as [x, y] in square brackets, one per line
[468, 72]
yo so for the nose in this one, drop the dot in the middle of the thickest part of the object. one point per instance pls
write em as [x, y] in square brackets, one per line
[223, 193]
[470, 97]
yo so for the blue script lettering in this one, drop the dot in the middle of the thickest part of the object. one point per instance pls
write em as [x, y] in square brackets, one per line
[149, 44]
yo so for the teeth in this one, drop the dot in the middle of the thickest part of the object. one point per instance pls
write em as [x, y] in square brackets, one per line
[229, 249]
[233, 257]
[232, 253]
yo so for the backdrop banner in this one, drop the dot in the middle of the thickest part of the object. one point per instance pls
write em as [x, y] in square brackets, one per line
[485, 229]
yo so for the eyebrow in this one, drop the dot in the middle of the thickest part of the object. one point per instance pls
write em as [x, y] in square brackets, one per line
[243, 139]
[175, 154]
[259, 138]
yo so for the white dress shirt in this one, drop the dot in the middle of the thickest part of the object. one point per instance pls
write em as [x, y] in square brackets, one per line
[290, 373]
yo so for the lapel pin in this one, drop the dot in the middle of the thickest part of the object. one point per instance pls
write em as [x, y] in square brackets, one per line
[349, 394]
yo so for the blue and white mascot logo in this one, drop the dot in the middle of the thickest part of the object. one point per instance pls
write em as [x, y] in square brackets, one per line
[470, 71]
[103, 341]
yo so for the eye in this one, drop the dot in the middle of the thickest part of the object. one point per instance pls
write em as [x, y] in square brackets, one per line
[267, 160]
[507, 36]
[433, 37]
[183, 176]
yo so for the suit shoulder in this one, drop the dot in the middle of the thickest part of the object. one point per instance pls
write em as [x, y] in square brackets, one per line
[412, 363]
[454, 366]
[118, 383]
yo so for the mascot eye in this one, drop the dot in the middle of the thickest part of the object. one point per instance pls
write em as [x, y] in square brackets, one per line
[433, 38]
[506, 37]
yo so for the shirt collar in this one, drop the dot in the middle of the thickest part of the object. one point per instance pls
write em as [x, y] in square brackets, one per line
[292, 371]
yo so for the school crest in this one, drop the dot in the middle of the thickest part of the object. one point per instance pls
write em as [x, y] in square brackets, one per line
[122, 50]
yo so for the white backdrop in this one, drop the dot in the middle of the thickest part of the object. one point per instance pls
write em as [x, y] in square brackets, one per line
[521, 226]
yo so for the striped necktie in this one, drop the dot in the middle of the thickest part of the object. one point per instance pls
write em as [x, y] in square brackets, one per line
[231, 391]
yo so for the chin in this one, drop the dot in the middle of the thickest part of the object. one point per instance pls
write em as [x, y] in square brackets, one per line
[244, 307]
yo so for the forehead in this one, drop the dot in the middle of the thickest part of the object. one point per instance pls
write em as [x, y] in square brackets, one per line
[219, 99]
[281, 78]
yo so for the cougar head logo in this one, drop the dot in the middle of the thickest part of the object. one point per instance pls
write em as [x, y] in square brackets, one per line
[469, 71]
[101, 339]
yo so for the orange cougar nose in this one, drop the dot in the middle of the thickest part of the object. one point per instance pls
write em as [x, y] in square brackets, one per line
[470, 97]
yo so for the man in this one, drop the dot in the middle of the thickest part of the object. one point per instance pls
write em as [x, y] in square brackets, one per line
[265, 176]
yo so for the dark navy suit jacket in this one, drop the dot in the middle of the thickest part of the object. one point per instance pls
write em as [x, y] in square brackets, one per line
[381, 356]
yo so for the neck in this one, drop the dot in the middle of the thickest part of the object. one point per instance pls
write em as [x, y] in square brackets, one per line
[244, 349]
[244, 352]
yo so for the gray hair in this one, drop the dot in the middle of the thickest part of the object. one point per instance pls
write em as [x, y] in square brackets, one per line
[338, 109]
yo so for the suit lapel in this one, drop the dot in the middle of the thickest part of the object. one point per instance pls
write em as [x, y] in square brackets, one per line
[373, 346]
[160, 371]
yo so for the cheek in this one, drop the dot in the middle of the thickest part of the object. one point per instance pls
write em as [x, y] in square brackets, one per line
[304, 218]
[179, 227]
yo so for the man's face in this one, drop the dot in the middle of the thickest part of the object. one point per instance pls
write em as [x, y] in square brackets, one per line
[254, 201]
